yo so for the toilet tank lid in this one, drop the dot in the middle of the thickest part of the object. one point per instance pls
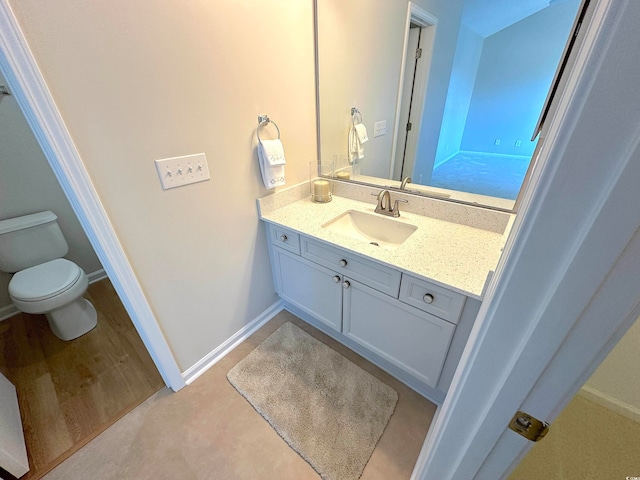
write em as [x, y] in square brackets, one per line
[26, 221]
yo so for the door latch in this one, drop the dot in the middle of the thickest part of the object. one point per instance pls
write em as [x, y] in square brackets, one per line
[529, 427]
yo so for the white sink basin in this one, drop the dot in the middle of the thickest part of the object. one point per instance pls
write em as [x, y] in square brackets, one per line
[371, 228]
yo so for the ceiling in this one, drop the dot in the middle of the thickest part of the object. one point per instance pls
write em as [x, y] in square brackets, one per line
[486, 17]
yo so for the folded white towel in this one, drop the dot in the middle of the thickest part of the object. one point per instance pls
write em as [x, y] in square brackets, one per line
[361, 130]
[356, 151]
[273, 151]
[271, 159]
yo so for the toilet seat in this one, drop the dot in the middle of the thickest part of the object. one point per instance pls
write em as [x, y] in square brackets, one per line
[44, 281]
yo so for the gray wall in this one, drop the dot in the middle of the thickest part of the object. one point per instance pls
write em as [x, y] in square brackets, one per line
[516, 70]
[27, 185]
[463, 78]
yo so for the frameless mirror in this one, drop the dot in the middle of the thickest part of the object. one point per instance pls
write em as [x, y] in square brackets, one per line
[448, 92]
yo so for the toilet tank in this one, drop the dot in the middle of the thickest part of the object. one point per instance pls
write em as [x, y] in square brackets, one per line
[30, 240]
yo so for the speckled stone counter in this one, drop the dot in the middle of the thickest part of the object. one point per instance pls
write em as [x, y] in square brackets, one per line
[453, 255]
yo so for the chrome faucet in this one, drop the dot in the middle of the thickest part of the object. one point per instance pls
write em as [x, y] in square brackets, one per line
[403, 185]
[384, 204]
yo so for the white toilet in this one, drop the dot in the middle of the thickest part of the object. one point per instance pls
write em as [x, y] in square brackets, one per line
[32, 246]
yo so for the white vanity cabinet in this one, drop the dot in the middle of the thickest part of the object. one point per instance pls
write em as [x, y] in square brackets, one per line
[310, 287]
[402, 323]
[411, 339]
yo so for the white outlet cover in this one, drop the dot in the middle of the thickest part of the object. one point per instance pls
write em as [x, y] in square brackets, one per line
[379, 128]
[179, 171]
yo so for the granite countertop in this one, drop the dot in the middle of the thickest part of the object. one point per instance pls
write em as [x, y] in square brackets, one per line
[454, 256]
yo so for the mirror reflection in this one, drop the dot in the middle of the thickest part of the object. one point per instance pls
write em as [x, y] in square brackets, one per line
[437, 97]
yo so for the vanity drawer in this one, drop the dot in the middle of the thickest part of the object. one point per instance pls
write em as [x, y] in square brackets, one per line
[431, 298]
[284, 238]
[380, 277]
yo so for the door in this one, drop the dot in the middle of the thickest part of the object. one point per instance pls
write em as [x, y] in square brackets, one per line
[568, 286]
[596, 434]
[413, 55]
[420, 33]
[312, 288]
[413, 340]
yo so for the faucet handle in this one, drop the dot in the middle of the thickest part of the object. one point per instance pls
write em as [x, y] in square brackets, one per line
[395, 210]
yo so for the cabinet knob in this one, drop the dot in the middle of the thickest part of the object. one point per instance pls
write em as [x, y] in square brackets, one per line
[342, 263]
[336, 278]
[428, 298]
[346, 284]
[283, 237]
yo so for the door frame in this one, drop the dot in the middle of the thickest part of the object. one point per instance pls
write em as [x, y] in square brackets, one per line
[428, 23]
[571, 260]
[36, 102]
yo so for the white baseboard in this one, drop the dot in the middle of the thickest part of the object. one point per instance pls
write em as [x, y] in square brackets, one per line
[232, 342]
[610, 403]
[444, 160]
[97, 275]
[10, 310]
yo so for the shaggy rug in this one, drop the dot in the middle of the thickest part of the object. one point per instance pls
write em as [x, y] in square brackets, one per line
[326, 408]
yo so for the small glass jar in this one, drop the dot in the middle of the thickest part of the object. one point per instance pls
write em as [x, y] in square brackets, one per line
[320, 182]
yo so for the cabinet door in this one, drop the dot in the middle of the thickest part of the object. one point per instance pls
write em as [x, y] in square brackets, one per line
[310, 287]
[411, 339]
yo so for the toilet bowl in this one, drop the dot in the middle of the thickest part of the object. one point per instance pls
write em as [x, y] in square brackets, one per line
[55, 288]
[32, 247]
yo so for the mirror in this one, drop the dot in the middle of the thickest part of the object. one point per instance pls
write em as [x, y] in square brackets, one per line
[459, 119]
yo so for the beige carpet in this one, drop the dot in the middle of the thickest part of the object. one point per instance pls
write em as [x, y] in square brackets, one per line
[207, 431]
[325, 407]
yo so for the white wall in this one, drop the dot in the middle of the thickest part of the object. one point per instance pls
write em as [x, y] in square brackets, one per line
[616, 382]
[358, 68]
[360, 50]
[28, 185]
[138, 80]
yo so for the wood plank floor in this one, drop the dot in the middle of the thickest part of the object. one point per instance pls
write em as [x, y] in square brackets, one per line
[69, 392]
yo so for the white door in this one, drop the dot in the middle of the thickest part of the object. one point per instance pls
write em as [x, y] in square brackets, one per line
[312, 288]
[568, 286]
[413, 45]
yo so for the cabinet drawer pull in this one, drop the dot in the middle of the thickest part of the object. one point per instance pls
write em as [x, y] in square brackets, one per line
[346, 284]
[428, 298]
[342, 263]
[336, 278]
[283, 238]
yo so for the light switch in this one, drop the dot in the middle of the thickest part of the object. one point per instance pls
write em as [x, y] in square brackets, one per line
[179, 171]
[379, 128]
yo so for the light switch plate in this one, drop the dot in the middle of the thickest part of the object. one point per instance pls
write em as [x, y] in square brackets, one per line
[379, 128]
[179, 171]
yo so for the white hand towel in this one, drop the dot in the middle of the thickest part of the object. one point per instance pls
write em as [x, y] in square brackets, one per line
[356, 151]
[361, 130]
[274, 151]
[271, 159]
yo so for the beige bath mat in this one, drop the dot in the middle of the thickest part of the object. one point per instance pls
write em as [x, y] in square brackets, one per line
[325, 407]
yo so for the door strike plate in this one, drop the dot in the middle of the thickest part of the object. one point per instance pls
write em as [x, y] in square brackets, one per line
[529, 427]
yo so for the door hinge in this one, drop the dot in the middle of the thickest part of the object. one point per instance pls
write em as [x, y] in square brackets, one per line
[418, 53]
[409, 126]
[529, 427]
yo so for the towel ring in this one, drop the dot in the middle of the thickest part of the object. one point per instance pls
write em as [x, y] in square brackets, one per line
[355, 113]
[263, 120]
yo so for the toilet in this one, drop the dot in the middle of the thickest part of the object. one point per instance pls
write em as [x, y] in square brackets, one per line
[32, 247]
